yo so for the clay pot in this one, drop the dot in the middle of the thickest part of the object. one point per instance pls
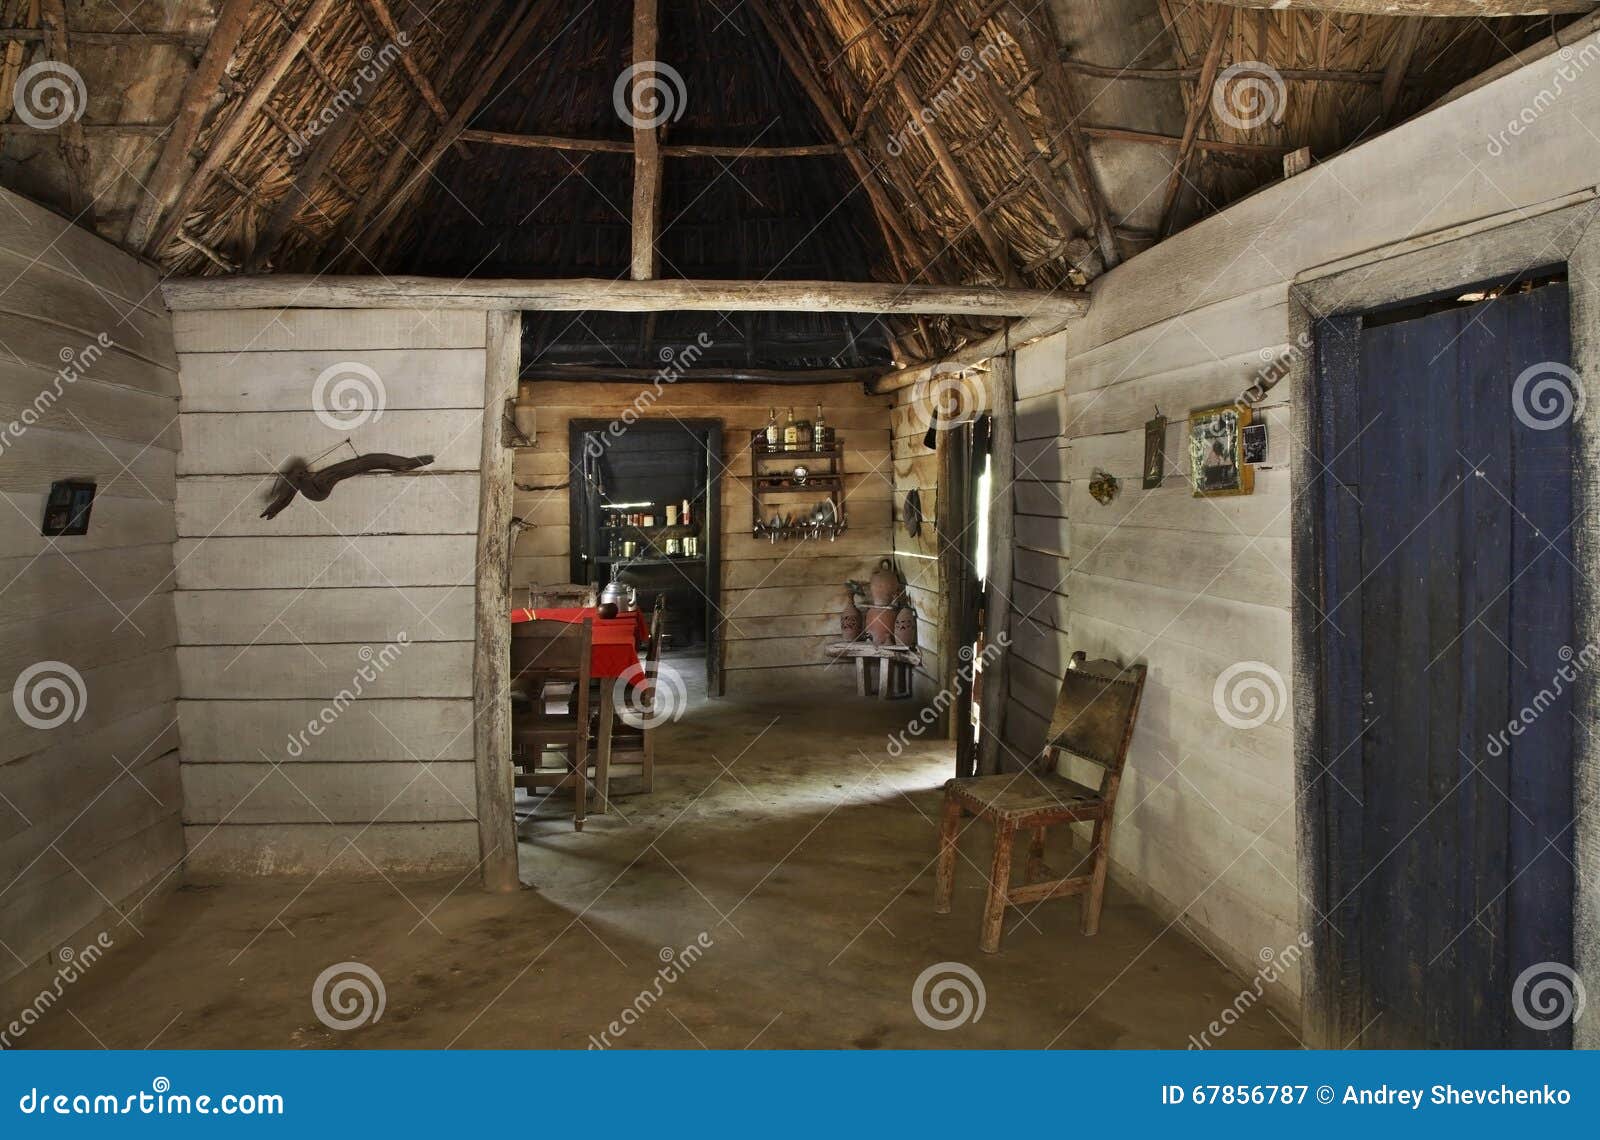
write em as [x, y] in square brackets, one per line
[850, 621]
[880, 624]
[905, 627]
[884, 584]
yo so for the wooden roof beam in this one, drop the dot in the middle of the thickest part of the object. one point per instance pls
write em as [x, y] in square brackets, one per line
[578, 294]
[646, 142]
[668, 150]
[1199, 107]
[1458, 8]
[228, 137]
[74, 152]
[1394, 72]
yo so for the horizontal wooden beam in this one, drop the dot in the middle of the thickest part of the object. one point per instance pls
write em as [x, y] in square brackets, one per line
[293, 291]
[1012, 337]
[1456, 8]
[192, 40]
[672, 150]
[591, 373]
[1152, 138]
[1180, 74]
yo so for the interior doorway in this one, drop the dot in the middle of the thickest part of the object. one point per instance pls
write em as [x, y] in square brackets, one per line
[648, 515]
[1447, 658]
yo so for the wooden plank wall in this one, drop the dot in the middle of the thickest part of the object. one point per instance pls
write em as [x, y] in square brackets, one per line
[277, 618]
[1207, 813]
[89, 809]
[781, 602]
[917, 558]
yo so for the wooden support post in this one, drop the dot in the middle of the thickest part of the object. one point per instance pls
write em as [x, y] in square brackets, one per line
[223, 144]
[646, 143]
[491, 663]
[1002, 535]
[1199, 107]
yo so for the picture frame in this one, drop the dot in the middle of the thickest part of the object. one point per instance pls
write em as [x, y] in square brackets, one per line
[1216, 451]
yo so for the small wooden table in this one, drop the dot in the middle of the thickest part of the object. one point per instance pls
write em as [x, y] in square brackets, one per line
[891, 680]
[614, 653]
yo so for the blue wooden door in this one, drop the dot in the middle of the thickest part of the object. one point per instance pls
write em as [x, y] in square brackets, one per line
[1451, 624]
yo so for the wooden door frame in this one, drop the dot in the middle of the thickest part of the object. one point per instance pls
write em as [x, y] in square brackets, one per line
[1562, 232]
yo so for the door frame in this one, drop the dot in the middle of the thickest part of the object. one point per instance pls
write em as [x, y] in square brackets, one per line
[1559, 233]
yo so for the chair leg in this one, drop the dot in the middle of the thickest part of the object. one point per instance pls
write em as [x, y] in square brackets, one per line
[885, 679]
[994, 907]
[945, 868]
[1035, 871]
[647, 767]
[1095, 896]
[580, 788]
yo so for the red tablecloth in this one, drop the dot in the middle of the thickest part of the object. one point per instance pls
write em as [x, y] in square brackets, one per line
[615, 646]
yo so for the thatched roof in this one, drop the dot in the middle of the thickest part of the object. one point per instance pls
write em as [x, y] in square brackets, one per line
[943, 141]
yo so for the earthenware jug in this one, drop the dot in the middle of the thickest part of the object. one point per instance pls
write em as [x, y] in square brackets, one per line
[850, 620]
[905, 627]
[880, 624]
[884, 585]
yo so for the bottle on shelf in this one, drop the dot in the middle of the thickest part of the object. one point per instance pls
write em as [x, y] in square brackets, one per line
[772, 429]
[683, 514]
[819, 432]
[791, 433]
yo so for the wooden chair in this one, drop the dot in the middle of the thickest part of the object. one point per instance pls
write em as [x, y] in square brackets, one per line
[1094, 716]
[627, 739]
[546, 658]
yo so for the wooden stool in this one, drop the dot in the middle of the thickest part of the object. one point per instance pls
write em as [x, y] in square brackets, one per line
[1094, 717]
[883, 671]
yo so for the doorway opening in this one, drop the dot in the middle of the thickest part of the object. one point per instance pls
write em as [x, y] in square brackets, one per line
[648, 517]
[1446, 650]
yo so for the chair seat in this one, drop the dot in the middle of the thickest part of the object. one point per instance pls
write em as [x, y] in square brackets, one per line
[1027, 798]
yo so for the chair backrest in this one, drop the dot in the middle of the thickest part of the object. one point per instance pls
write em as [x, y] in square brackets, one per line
[560, 595]
[546, 646]
[657, 619]
[1095, 711]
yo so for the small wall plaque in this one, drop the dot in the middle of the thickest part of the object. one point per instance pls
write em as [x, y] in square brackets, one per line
[1155, 451]
[1255, 443]
[1216, 451]
[66, 511]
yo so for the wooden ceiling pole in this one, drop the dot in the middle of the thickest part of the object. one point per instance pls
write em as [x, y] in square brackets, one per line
[646, 143]
[1060, 107]
[1199, 106]
[799, 65]
[533, 12]
[413, 70]
[408, 139]
[1394, 72]
[229, 136]
[172, 167]
[913, 104]
[668, 150]
[1427, 7]
[74, 152]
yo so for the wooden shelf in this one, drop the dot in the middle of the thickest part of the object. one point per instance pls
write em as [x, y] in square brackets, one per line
[663, 530]
[759, 450]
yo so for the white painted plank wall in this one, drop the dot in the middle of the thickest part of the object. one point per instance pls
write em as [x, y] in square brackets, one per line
[89, 809]
[297, 621]
[1206, 827]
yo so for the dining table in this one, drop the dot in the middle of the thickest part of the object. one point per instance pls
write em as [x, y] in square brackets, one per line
[613, 656]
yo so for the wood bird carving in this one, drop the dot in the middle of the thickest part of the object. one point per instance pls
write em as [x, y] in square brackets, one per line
[296, 478]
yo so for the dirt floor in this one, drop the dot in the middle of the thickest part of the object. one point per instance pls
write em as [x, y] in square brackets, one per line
[775, 891]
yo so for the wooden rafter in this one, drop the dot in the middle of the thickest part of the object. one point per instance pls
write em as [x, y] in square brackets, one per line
[408, 139]
[1458, 8]
[529, 15]
[74, 153]
[1060, 108]
[229, 136]
[646, 144]
[668, 150]
[976, 215]
[908, 44]
[1199, 107]
[1394, 72]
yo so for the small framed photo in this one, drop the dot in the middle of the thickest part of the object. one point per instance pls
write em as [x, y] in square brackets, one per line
[1217, 463]
[66, 511]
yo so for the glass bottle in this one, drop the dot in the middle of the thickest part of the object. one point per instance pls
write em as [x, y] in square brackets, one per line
[772, 429]
[791, 433]
[819, 431]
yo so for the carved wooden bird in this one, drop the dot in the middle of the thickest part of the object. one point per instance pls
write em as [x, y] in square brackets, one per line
[318, 485]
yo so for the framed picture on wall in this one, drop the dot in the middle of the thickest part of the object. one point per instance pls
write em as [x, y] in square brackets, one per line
[1216, 451]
